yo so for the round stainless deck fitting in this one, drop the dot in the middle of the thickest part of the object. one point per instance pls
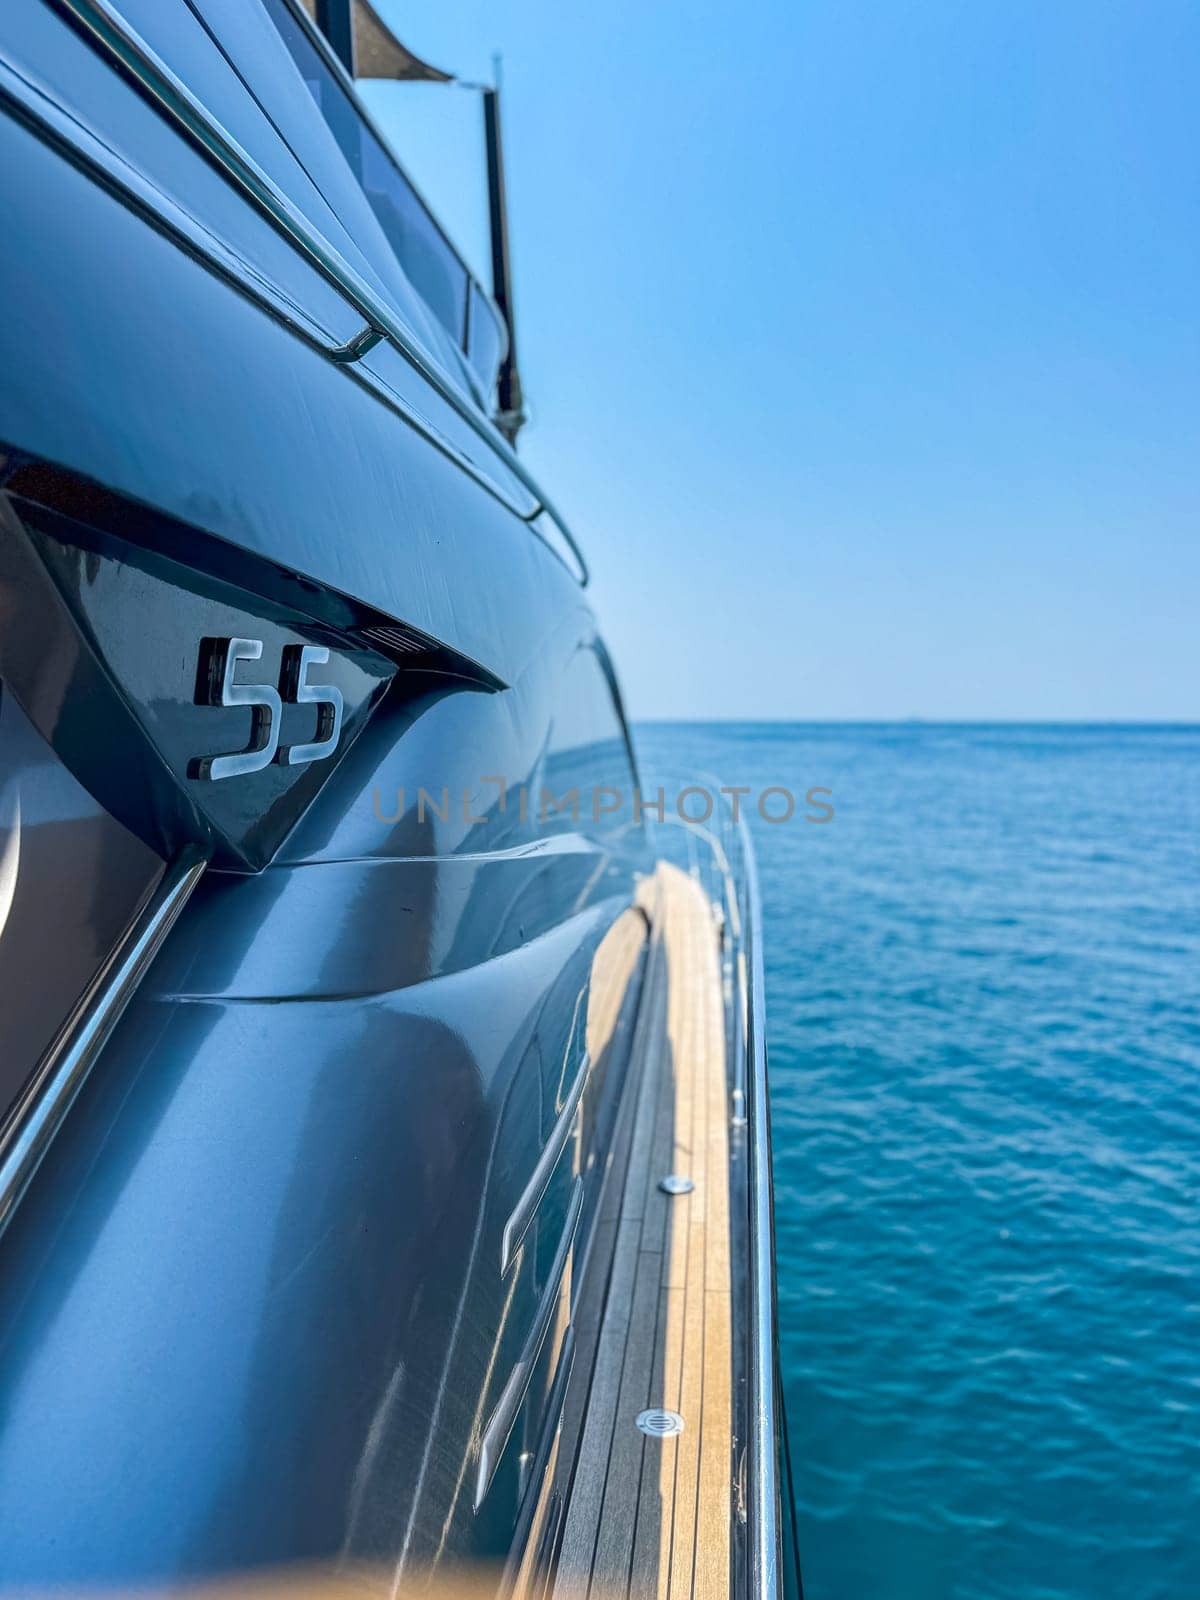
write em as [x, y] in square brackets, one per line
[676, 1183]
[659, 1424]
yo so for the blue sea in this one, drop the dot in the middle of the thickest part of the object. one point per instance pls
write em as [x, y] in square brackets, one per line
[983, 998]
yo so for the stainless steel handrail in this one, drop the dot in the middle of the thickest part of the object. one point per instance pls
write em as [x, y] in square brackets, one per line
[766, 1547]
[131, 53]
[52, 1090]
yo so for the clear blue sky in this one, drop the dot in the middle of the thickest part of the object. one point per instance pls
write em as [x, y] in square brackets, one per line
[862, 338]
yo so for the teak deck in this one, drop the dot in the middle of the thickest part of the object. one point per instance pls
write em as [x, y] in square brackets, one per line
[651, 1516]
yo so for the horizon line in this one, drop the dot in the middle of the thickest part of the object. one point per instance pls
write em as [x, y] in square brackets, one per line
[932, 722]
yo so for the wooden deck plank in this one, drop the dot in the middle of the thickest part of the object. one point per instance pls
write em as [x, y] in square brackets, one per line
[711, 1575]
[662, 1156]
[651, 1569]
[715, 1490]
[618, 1517]
[587, 1492]
[653, 1045]
[650, 1517]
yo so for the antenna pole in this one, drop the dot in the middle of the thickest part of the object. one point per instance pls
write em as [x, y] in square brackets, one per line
[508, 383]
[335, 18]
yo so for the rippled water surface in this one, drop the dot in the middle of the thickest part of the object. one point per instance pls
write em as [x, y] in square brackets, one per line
[984, 1027]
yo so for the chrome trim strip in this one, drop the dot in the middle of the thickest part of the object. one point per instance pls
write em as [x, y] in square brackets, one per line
[531, 1196]
[130, 52]
[61, 1073]
[495, 1435]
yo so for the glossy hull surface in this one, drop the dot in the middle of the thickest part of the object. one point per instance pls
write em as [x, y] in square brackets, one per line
[293, 1280]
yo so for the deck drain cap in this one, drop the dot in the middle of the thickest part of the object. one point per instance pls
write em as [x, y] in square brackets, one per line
[676, 1183]
[659, 1424]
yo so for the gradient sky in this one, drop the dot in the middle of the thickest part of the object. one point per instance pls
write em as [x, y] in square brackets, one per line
[861, 338]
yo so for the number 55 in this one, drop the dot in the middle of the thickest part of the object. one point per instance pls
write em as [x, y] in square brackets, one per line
[215, 686]
[293, 681]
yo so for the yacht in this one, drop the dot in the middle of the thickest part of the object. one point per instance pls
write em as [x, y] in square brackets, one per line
[385, 1187]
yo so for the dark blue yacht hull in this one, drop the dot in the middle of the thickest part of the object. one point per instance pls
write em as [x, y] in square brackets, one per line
[289, 1235]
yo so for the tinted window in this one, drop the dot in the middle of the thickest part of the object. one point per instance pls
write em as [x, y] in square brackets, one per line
[436, 273]
[484, 339]
[434, 270]
[587, 747]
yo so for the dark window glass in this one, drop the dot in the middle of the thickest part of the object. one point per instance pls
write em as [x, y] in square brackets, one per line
[587, 747]
[484, 340]
[436, 273]
[432, 267]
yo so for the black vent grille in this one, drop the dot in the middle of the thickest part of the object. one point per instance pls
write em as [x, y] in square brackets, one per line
[395, 639]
